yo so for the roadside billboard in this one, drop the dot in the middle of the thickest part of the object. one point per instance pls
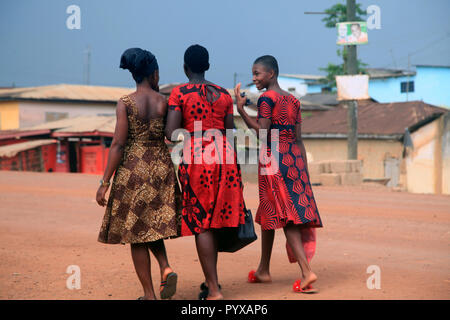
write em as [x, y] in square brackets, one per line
[352, 33]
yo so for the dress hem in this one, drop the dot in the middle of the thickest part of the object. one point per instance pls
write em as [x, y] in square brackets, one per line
[137, 242]
[282, 224]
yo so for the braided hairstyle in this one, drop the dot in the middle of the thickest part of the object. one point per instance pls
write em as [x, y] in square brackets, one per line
[141, 63]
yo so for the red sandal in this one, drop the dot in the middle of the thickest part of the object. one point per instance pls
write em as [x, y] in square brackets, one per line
[252, 278]
[309, 288]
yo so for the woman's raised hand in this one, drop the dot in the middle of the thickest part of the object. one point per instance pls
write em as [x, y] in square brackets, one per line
[240, 101]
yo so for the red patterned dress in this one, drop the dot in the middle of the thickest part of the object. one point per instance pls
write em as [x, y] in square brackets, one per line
[212, 190]
[286, 195]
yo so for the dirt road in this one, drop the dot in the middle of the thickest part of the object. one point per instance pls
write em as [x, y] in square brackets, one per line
[51, 221]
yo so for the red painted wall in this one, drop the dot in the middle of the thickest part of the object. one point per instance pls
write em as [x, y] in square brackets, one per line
[93, 159]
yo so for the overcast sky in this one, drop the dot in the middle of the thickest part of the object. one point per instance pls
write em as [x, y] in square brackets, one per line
[37, 48]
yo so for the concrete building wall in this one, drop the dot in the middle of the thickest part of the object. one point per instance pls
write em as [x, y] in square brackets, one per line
[315, 88]
[325, 149]
[9, 115]
[446, 153]
[432, 85]
[373, 153]
[32, 113]
[389, 90]
[422, 161]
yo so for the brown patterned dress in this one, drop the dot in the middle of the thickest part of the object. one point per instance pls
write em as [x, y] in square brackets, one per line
[144, 204]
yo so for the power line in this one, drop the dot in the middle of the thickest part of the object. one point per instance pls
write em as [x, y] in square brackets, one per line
[426, 47]
[430, 44]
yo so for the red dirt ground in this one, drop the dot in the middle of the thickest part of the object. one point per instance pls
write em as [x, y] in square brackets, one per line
[51, 221]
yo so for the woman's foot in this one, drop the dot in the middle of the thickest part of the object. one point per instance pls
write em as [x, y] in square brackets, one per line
[168, 283]
[216, 297]
[259, 277]
[204, 295]
[305, 285]
[308, 280]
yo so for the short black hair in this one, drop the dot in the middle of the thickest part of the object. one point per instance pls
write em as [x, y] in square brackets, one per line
[196, 58]
[269, 62]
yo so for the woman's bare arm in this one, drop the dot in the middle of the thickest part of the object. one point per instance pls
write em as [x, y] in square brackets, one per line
[116, 150]
[119, 141]
[173, 122]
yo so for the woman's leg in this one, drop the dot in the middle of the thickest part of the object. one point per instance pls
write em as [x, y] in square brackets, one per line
[207, 253]
[294, 239]
[159, 251]
[141, 260]
[263, 272]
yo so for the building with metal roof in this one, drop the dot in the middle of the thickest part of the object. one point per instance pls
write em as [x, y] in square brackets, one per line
[27, 107]
[406, 142]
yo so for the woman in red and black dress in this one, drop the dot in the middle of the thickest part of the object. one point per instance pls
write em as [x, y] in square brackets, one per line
[286, 197]
[211, 185]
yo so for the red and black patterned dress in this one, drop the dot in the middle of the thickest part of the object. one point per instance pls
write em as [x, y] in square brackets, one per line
[212, 189]
[286, 194]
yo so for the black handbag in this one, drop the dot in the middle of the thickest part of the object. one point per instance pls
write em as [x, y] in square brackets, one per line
[234, 239]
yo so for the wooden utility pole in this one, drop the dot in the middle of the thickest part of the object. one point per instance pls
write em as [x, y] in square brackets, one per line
[352, 105]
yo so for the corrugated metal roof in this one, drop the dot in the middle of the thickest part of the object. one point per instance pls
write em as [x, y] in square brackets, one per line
[375, 119]
[381, 73]
[13, 149]
[107, 124]
[82, 124]
[322, 98]
[373, 73]
[166, 89]
[303, 76]
[17, 133]
[94, 124]
[66, 92]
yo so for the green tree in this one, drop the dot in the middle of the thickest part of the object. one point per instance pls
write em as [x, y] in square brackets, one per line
[338, 13]
[335, 14]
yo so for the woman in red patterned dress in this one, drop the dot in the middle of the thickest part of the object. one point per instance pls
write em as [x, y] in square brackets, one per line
[211, 185]
[286, 197]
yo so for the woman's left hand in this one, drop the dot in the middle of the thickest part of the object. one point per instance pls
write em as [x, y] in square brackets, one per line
[101, 193]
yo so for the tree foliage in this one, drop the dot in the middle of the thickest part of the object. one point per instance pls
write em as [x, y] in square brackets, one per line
[334, 70]
[336, 14]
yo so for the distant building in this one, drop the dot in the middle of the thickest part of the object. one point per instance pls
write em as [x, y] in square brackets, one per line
[26, 107]
[68, 145]
[405, 142]
[428, 83]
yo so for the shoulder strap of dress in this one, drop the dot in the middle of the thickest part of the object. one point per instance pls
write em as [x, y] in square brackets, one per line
[126, 100]
[129, 103]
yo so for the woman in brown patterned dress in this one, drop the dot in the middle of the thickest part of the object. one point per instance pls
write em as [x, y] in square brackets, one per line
[144, 202]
